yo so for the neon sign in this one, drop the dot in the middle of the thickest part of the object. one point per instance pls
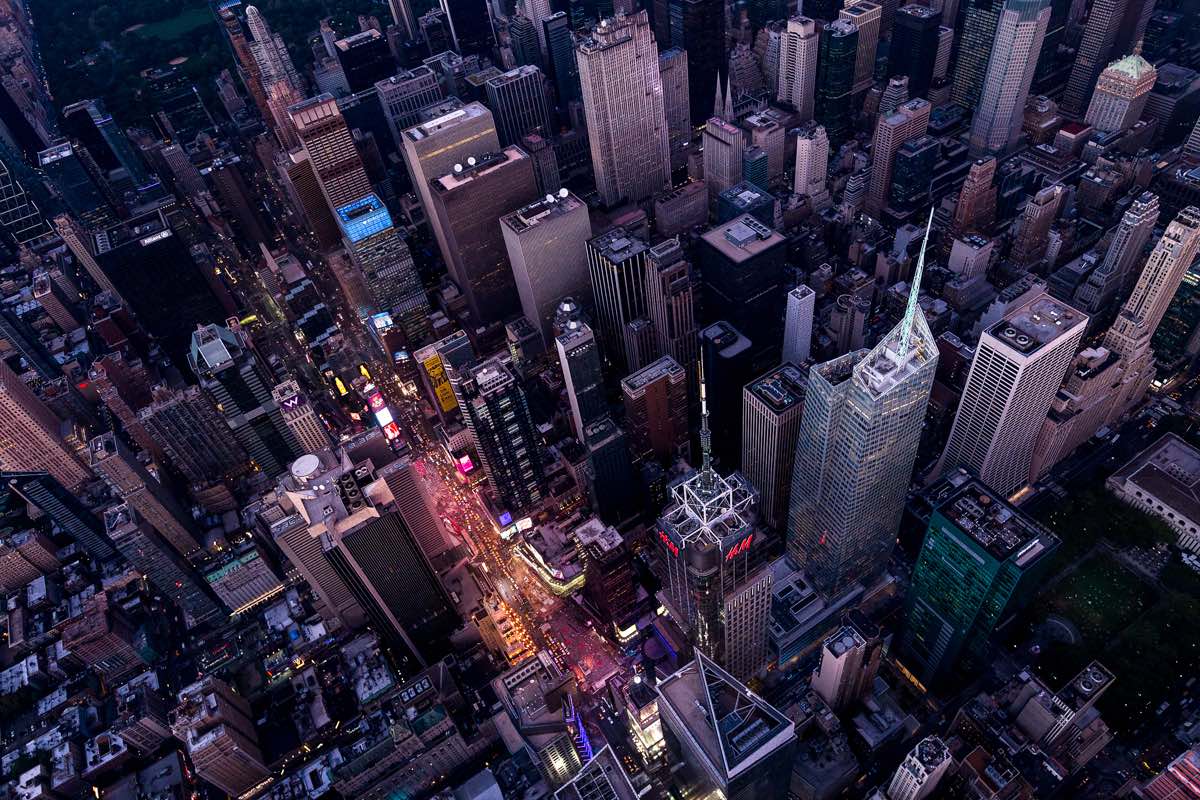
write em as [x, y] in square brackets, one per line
[739, 548]
[674, 548]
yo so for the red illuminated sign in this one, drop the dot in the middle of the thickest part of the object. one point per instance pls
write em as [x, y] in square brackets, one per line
[674, 548]
[740, 547]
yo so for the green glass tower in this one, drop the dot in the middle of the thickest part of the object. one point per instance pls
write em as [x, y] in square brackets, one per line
[836, 56]
[980, 561]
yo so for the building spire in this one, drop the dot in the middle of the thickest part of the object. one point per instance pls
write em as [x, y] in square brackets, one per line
[727, 110]
[718, 101]
[705, 433]
[914, 291]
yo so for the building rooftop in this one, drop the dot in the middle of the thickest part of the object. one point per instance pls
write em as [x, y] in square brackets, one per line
[456, 114]
[742, 238]
[780, 388]
[996, 526]
[1036, 324]
[617, 245]
[664, 367]
[1168, 470]
[552, 206]
[1132, 66]
[601, 777]
[464, 173]
[728, 340]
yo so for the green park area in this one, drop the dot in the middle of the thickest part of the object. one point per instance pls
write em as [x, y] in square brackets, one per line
[177, 27]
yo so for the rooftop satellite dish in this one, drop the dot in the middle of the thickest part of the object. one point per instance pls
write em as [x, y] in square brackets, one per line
[471, 161]
[563, 193]
[457, 168]
[549, 198]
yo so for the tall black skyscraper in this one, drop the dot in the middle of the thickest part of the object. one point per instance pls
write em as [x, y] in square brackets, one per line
[836, 57]
[698, 27]
[914, 47]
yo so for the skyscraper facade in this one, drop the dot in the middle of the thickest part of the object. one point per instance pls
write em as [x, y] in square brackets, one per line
[866, 18]
[914, 47]
[673, 73]
[1018, 366]
[1019, 32]
[623, 102]
[518, 100]
[31, 435]
[579, 356]
[859, 434]
[301, 417]
[1114, 28]
[812, 165]
[910, 120]
[656, 411]
[618, 263]
[698, 26]
[330, 147]
[798, 52]
[797, 325]
[1121, 93]
[771, 409]
[671, 302]
[836, 60]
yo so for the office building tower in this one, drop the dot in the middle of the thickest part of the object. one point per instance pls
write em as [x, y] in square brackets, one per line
[894, 95]
[1001, 107]
[231, 373]
[836, 59]
[614, 488]
[546, 242]
[673, 74]
[981, 560]
[1117, 272]
[467, 203]
[364, 59]
[33, 438]
[975, 210]
[523, 37]
[404, 94]
[579, 357]
[1114, 29]
[723, 146]
[104, 639]
[617, 262]
[771, 409]
[23, 339]
[941, 63]
[141, 491]
[921, 771]
[518, 101]
[979, 20]
[1179, 781]
[812, 164]
[301, 417]
[305, 191]
[798, 66]
[1018, 366]
[742, 264]
[186, 427]
[48, 290]
[671, 302]
[912, 174]
[41, 491]
[728, 362]
[497, 414]
[910, 121]
[866, 18]
[698, 26]
[1080, 408]
[863, 414]
[970, 255]
[560, 57]
[656, 411]
[269, 52]
[152, 556]
[217, 728]
[611, 586]
[913, 51]
[718, 587]
[740, 745]
[850, 659]
[623, 103]
[330, 147]
[1032, 239]
[540, 700]
[746, 198]
[797, 325]
[1121, 93]
[1133, 330]
[376, 248]
[77, 179]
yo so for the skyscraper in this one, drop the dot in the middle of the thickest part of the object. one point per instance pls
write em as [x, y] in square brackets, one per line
[698, 26]
[518, 100]
[241, 387]
[912, 175]
[579, 356]
[404, 94]
[914, 48]
[20, 216]
[385, 263]
[1018, 366]
[850, 659]
[979, 19]
[547, 247]
[330, 147]
[673, 73]
[798, 66]
[560, 50]
[190, 431]
[910, 120]
[656, 411]
[133, 484]
[433, 147]
[216, 727]
[707, 714]
[836, 62]
[723, 146]
[812, 165]
[468, 201]
[305, 423]
[1031, 241]
[31, 435]
[718, 585]
[863, 414]
[623, 102]
[617, 262]
[1117, 272]
[975, 210]
[999, 113]
[1114, 28]
[866, 17]
[982, 558]
[797, 325]
[497, 414]
[364, 59]
[671, 302]
[771, 408]
[921, 771]
[1121, 93]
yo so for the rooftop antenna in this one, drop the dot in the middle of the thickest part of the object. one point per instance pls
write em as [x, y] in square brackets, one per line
[910, 313]
[705, 433]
